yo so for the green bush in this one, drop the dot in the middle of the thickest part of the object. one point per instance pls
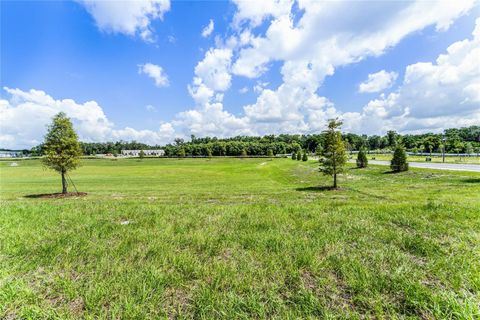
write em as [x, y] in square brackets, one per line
[399, 161]
[294, 156]
[304, 157]
[299, 156]
[362, 161]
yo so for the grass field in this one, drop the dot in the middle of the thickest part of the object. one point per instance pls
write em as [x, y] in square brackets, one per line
[238, 238]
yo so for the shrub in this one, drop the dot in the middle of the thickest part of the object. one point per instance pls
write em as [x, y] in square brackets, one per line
[294, 156]
[304, 157]
[362, 161]
[399, 161]
[270, 153]
[299, 156]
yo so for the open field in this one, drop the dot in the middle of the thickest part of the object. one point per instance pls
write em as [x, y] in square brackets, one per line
[238, 238]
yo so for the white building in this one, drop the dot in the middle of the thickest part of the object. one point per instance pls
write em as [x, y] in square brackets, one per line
[136, 153]
[10, 154]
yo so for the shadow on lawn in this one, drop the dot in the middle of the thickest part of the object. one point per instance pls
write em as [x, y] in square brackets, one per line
[392, 172]
[471, 180]
[55, 195]
[318, 188]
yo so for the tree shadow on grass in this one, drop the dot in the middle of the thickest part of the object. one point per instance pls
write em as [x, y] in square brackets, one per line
[471, 180]
[392, 172]
[318, 189]
[55, 195]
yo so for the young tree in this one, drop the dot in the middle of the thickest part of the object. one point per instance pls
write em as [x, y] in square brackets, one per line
[294, 156]
[61, 148]
[392, 137]
[209, 151]
[299, 155]
[362, 161]
[270, 153]
[141, 154]
[305, 156]
[333, 155]
[468, 148]
[181, 153]
[244, 152]
[399, 160]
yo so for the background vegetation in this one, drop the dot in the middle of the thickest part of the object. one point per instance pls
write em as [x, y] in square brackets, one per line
[463, 140]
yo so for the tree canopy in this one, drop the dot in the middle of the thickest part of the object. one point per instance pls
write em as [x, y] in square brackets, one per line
[61, 148]
[333, 154]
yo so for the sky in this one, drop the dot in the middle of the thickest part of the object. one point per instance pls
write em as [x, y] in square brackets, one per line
[156, 70]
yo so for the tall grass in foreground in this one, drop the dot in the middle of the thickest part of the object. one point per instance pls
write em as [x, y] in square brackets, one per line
[239, 238]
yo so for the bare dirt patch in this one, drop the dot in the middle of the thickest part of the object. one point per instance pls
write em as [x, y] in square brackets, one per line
[56, 195]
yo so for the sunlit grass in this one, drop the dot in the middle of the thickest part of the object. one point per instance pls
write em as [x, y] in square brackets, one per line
[238, 238]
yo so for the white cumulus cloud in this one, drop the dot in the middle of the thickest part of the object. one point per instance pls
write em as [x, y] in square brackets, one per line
[433, 96]
[155, 72]
[310, 52]
[130, 17]
[26, 114]
[207, 31]
[378, 81]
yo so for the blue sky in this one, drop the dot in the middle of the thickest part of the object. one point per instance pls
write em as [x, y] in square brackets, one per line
[54, 51]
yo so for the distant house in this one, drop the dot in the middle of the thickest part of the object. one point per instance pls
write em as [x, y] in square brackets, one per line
[10, 154]
[136, 153]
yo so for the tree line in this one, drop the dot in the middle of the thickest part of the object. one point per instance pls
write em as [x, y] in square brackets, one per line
[461, 140]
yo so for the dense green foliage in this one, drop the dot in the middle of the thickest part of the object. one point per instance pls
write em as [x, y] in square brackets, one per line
[456, 141]
[333, 156]
[399, 160]
[305, 156]
[362, 161]
[61, 147]
[231, 239]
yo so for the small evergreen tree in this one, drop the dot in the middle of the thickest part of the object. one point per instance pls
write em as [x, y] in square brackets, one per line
[333, 154]
[294, 156]
[305, 156]
[181, 153]
[468, 148]
[299, 155]
[141, 155]
[61, 148]
[399, 161]
[362, 161]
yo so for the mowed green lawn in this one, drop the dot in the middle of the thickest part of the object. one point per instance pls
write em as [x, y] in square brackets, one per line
[238, 238]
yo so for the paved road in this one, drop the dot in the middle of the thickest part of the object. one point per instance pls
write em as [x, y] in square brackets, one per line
[434, 165]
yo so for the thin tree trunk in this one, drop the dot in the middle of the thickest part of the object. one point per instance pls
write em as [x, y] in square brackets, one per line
[335, 181]
[64, 183]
